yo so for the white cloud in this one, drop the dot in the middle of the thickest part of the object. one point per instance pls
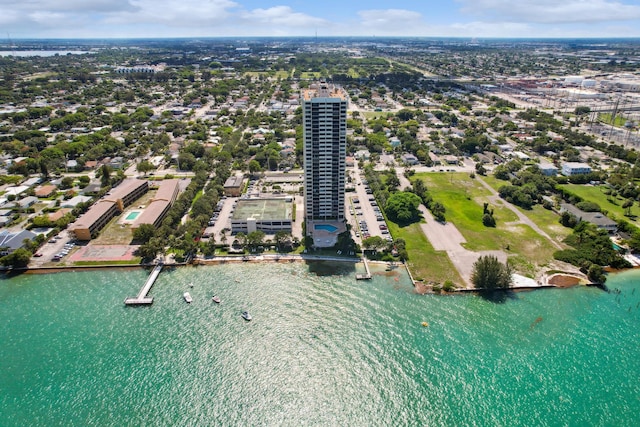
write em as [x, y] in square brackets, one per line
[282, 16]
[184, 13]
[552, 11]
[397, 18]
[75, 6]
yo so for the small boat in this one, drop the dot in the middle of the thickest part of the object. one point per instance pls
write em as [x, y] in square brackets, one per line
[246, 316]
[191, 285]
[216, 299]
[187, 297]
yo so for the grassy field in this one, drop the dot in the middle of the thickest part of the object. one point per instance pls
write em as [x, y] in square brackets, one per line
[607, 118]
[547, 220]
[463, 198]
[425, 263]
[306, 75]
[275, 74]
[595, 193]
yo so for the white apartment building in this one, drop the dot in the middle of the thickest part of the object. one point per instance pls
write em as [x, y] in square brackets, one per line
[325, 143]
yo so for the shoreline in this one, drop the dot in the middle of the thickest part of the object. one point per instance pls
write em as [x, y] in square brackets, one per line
[559, 280]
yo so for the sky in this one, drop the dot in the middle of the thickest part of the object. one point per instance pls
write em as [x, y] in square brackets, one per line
[224, 18]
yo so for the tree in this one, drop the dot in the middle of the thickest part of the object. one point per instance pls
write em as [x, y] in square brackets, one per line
[596, 274]
[144, 233]
[438, 210]
[145, 166]
[627, 205]
[254, 167]
[488, 220]
[255, 239]
[67, 182]
[105, 178]
[210, 247]
[489, 273]
[403, 206]
[17, 259]
[282, 239]
[374, 242]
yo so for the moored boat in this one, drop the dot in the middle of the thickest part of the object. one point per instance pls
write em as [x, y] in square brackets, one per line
[216, 299]
[187, 297]
[246, 316]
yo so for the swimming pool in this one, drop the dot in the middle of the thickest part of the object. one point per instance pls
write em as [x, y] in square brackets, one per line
[325, 227]
[132, 215]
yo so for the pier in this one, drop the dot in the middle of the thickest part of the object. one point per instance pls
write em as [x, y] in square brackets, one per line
[142, 298]
[366, 267]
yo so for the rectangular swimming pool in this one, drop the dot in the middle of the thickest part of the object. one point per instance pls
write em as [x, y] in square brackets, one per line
[326, 227]
[132, 215]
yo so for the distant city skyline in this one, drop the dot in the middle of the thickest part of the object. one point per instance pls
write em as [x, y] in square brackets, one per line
[219, 18]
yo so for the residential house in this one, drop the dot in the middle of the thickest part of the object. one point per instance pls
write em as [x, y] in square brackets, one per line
[10, 241]
[575, 168]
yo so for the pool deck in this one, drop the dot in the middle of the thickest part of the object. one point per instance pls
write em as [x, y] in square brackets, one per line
[324, 238]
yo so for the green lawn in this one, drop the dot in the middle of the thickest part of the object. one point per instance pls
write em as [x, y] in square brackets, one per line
[425, 263]
[547, 220]
[613, 205]
[606, 118]
[306, 75]
[463, 198]
[276, 74]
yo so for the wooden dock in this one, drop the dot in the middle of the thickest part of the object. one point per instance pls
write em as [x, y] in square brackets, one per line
[366, 267]
[142, 298]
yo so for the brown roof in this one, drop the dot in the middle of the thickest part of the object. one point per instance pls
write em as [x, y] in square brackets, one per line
[167, 189]
[45, 190]
[151, 213]
[124, 189]
[54, 216]
[92, 215]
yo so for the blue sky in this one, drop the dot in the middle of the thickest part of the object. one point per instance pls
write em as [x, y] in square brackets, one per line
[425, 18]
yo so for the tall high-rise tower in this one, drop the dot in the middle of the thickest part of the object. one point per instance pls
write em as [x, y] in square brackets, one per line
[325, 143]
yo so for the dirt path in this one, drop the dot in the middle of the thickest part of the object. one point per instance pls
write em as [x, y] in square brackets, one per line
[446, 237]
[495, 198]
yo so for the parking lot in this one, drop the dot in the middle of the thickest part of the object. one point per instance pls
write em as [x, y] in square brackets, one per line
[56, 249]
[364, 214]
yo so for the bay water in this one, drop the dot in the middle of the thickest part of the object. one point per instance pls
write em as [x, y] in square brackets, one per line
[322, 349]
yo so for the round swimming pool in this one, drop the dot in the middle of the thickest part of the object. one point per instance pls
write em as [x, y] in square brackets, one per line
[325, 227]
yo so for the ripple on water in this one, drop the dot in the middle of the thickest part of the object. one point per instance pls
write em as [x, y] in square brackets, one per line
[322, 349]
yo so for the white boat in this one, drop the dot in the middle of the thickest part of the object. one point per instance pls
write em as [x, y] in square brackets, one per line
[246, 316]
[187, 297]
[216, 299]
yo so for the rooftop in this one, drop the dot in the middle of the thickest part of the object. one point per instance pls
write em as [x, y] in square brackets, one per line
[323, 90]
[262, 209]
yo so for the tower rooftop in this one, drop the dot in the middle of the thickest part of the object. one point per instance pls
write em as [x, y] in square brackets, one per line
[323, 90]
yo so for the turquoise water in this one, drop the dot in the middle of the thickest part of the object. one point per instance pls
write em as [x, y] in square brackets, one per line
[322, 349]
[132, 215]
[326, 227]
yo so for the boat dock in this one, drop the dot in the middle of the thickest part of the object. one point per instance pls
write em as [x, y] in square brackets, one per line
[142, 298]
[366, 267]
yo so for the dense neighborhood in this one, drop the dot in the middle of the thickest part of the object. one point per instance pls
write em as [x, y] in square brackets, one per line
[187, 152]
